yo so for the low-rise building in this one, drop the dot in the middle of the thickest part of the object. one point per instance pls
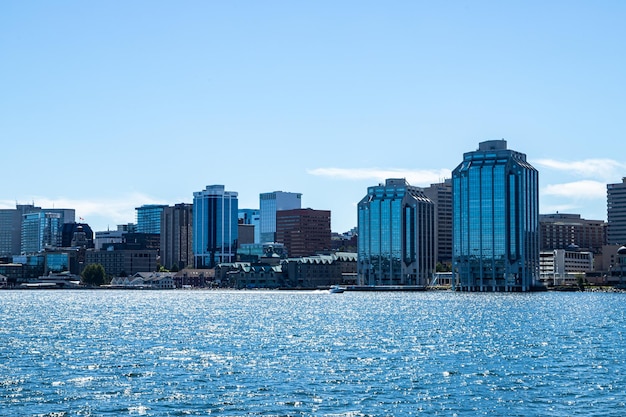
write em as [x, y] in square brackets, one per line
[564, 267]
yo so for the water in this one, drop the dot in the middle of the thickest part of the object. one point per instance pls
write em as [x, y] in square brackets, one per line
[272, 353]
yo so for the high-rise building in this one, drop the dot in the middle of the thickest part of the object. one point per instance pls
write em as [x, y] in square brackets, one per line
[441, 195]
[304, 232]
[616, 213]
[270, 203]
[43, 229]
[252, 217]
[396, 242]
[176, 236]
[495, 206]
[11, 228]
[149, 218]
[570, 231]
[215, 226]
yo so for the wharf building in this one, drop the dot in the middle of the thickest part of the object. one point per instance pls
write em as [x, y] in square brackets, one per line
[269, 205]
[215, 226]
[616, 213]
[176, 236]
[441, 195]
[396, 241]
[304, 232]
[495, 205]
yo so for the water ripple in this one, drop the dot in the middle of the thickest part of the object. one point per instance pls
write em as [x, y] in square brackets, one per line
[245, 353]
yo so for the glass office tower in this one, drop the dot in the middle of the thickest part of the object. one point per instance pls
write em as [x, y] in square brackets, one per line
[214, 226]
[396, 235]
[149, 218]
[269, 204]
[495, 220]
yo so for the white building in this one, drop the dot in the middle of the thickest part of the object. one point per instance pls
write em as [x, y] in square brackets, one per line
[563, 267]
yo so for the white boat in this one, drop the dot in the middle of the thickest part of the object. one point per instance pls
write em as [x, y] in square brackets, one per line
[336, 289]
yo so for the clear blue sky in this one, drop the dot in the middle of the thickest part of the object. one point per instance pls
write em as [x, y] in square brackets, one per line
[108, 105]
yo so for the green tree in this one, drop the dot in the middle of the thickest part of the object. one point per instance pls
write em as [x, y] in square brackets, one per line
[93, 274]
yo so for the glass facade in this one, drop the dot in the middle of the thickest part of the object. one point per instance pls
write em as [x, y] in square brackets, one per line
[149, 218]
[495, 220]
[215, 226]
[396, 241]
[269, 204]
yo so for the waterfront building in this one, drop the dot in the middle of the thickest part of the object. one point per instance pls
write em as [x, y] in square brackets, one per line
[396, 241]
[563, 267]
[123, 262]
[215, 226]
[251, 217]
[150, 280]
[43, 229]
[565, 231]
[269, 204]
[320, 271]
[149, 218]
[616, 213]
[441, 195]
[304, 232]
[495, 197]
[176, 247]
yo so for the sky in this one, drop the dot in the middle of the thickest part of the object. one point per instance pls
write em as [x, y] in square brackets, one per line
[109, 105]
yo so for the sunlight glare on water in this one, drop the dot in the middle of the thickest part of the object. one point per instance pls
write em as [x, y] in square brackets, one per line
[285, 353]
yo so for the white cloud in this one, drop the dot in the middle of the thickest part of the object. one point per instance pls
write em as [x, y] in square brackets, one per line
[586, 189]
[417, 178]
[103, 212]
[604, 169]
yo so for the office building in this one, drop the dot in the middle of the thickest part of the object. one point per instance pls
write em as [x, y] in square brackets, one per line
[304, 232]
[616, 213]
[11, 228]
[123, 262]
[396, 241]
[43, 229]
[176, 237]
[149, 218]
[569, 231]
[252, 217]
[269, 204]
[564, 267]
[495, 206]
[215, 226]
[441, 195]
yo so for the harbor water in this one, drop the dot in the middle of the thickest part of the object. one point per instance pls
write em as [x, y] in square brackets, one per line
[310, 353]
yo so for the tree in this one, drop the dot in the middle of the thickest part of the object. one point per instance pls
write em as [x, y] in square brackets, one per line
[93, 274]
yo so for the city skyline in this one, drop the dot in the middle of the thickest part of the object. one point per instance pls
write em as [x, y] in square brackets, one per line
[107, 107]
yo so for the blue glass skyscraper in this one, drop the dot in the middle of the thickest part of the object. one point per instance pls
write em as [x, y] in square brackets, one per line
[214, 226]
[396, 243]
[149, 218]
[495, 220]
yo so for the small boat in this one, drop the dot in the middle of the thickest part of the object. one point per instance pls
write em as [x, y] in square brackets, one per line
[336, 289]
